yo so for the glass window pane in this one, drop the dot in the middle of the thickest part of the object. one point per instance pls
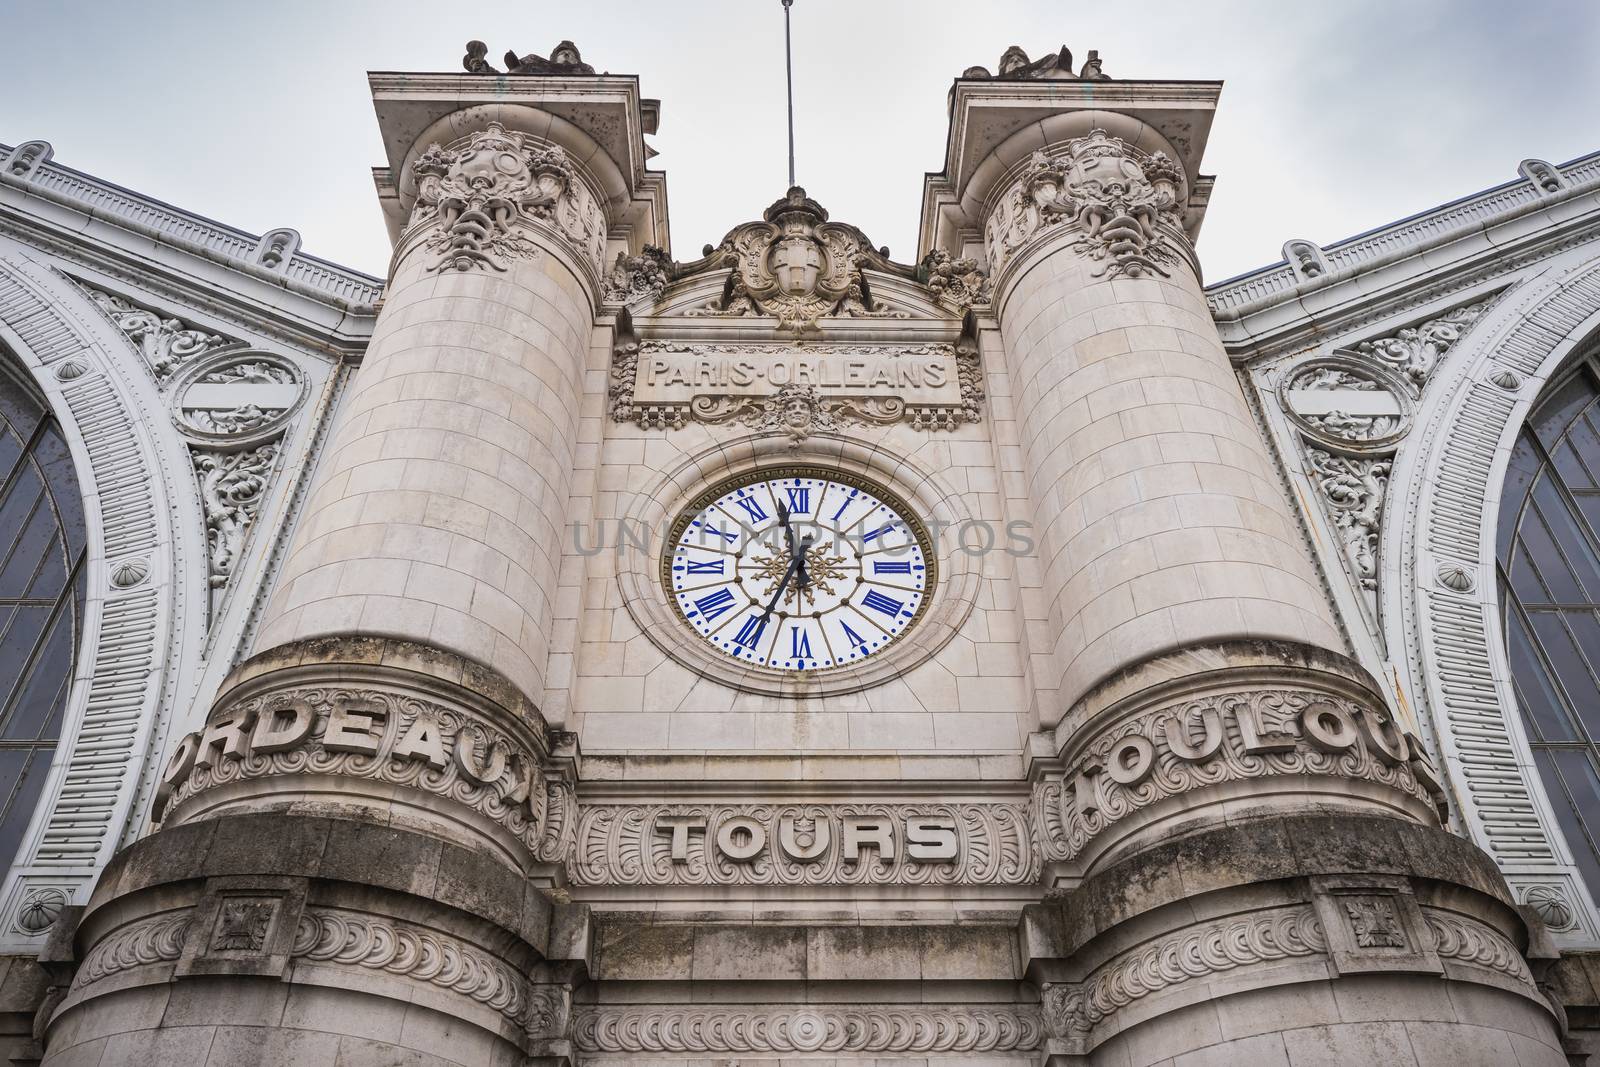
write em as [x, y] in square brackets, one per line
[1577, 683]
[35, 706]
[1570, 535]
[1526, 580]
[1523, 468]
[1536, 693]
[31, 768]
[1549, 562]
[18, 645]
[55, 459]
[38, 537]
[1553, 417]
[1568, 798]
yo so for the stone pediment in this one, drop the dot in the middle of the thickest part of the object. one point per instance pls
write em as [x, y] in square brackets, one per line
[796, 271]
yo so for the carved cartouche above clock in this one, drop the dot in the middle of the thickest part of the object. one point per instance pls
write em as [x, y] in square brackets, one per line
[796, 266]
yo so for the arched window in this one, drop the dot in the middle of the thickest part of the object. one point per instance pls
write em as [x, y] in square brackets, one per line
[42, 542]
[1549, 561]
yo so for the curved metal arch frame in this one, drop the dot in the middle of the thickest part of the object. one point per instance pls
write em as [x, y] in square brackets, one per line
[134, 632]
[1446, 642]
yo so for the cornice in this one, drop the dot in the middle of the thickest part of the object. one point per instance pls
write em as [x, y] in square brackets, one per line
[1433, 254]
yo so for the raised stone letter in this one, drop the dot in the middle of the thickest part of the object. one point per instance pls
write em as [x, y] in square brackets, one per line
[1328, 727]
[228, 731]
[867, 830]
[1131, 760]
[353, 728]
[179, 765]
[1255, 737]
[466, 753]
[1384, 738]
[789, 828]
[741, 838]
[931, 838]
[423, 741]
[680, 825]
[1177, 734]
[274, 734]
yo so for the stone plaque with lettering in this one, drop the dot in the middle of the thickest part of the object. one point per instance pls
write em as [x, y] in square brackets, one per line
[795, 389]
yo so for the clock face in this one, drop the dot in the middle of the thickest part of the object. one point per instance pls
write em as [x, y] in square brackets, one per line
[844, 577]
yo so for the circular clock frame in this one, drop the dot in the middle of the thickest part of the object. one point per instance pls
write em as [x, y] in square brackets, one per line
[885, 497]
[646, 602]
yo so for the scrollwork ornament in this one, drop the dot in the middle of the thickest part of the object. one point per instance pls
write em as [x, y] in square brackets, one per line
[232, 487]
[744, 1028]
[158, 939]
[638, 277]
[165, 343]
[1122, 208]
[477, 194]
[1191, 954]
[1352, 491]
[421, 955]
[1468, 940]
[1416, 351]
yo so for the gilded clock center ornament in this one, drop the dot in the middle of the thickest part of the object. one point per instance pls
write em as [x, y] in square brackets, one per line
[799, 568]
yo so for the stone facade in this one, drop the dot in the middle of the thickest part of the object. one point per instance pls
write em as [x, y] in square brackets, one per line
[562, 652]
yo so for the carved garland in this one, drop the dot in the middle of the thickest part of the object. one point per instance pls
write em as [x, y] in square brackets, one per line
[801, 845]
[1235, 737]
[825, 1028]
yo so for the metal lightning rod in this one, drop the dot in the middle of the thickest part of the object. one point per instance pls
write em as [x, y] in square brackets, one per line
[788, 66]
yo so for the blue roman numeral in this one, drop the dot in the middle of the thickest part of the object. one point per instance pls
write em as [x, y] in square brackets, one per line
[851, 499]
[799, 644]
[891, 567]
[878, 602]
[750, 632]
[855, 638]
[879, 532]
[710, 566]
[715, 604]
[799, 499]
[752, 508]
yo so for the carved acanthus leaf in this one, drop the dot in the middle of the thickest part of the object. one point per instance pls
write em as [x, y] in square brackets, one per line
[1416, 351]
[1352, 492]
[165, 343]
[232, 486]
[635, 277]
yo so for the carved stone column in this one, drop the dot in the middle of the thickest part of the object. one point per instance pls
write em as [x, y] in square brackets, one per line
[440, 504]
[360, 853]
[1162, 523]
[1246, 841]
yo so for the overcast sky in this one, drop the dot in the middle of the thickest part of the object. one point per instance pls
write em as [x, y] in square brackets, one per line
[1337, 116]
